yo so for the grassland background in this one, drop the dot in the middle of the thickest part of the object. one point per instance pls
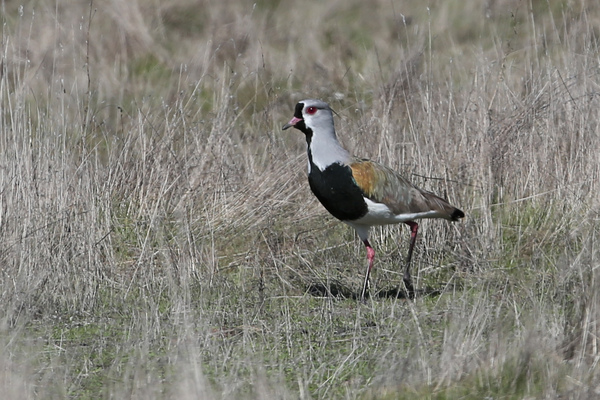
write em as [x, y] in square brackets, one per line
[157, 234]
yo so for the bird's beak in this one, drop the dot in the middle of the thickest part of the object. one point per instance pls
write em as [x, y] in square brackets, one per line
[292, 122]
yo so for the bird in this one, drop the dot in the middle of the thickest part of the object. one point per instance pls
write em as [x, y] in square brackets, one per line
[360, 192]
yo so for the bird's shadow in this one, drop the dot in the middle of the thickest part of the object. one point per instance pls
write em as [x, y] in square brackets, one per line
[338, 290]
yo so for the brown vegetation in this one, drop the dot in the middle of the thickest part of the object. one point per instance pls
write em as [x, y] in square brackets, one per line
[158, 236]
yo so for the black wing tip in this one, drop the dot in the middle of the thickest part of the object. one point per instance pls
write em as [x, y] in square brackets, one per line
[457, 214]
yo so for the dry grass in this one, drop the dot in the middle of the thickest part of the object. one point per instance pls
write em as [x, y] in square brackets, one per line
[158, 237]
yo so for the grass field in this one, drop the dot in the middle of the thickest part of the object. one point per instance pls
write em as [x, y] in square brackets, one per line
[158, 238]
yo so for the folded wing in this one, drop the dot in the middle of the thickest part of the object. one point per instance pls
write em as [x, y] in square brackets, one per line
[384, 185]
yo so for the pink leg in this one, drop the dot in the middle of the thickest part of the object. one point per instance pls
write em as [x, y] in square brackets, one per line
[414, 227]
[370, 259]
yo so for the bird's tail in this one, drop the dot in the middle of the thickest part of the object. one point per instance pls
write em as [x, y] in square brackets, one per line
[445, 209]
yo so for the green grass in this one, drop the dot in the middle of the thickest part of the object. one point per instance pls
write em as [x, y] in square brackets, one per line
[158, 238]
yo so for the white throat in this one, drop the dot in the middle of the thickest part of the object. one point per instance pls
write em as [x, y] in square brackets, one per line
[326, 150]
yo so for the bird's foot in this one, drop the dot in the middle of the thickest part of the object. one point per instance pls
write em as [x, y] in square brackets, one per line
[410, 290]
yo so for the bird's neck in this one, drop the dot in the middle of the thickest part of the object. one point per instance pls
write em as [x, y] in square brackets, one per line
[324, 150]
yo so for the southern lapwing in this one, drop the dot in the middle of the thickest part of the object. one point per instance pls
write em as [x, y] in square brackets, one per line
[360, 192]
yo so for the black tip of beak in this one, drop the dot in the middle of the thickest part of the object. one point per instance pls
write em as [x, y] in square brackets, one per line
[292, 122]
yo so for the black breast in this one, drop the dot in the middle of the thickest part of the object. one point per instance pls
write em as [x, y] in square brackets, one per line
[337, 191]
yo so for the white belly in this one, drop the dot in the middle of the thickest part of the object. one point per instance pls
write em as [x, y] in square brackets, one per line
[380, 214]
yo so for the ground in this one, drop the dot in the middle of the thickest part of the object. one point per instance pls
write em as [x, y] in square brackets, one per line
[158, 238]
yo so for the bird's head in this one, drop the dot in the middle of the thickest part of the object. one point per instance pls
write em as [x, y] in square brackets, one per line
[310, 116]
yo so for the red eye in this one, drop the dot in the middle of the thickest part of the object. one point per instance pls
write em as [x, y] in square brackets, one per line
[311, 110]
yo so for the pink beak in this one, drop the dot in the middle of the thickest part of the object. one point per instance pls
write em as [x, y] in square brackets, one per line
[292, 122]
